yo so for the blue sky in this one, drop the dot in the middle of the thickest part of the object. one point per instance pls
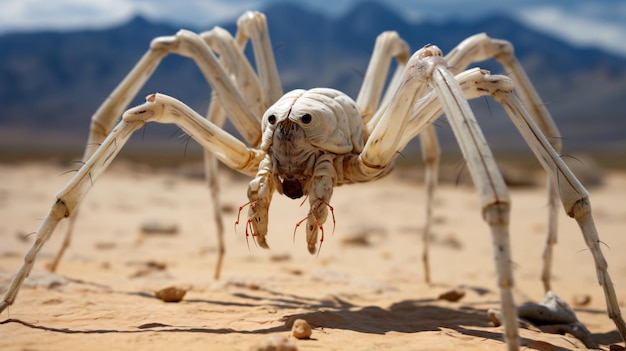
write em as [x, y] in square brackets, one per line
[600, 23]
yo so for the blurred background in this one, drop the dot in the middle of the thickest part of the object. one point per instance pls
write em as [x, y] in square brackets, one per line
[59, 61]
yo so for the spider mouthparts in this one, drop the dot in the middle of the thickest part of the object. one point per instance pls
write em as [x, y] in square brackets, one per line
[292, 188]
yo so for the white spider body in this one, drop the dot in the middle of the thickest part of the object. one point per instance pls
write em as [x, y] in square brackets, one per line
[302, 125]
[307, 135]
[309, 141]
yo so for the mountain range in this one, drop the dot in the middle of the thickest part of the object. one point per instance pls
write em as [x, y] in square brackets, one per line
[52, 82]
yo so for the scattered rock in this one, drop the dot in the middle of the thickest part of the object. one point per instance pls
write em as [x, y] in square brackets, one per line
[451, 241]
[275, 343]
[158, 227]
[52, 302]
[581, 300]
[157, 266]
[364, 237]
[105, 245]
[294, 271]
[552, 315]
[301, 329]
[280, 257]
[552, 310]
[171, 294]
[356, 240]
[248, 284]
[452, 295]
[495, 317]
[252, 285]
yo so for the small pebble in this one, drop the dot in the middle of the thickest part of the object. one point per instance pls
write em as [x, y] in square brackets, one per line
[301, 329]
[252, 285]
[159, 227]
[452, 295]
[171, 294]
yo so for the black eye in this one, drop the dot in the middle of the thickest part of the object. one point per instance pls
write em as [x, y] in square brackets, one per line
[271, 119]
[306, 118]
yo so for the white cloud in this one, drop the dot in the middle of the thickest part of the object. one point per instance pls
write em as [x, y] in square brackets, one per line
[578, 27]
[75, 14]
[591, 23]
[194, 12]
[62, 14]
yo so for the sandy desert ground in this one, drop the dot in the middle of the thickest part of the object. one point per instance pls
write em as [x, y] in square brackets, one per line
[364, 291]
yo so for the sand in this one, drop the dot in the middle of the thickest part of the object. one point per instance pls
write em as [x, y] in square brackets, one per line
[364, 291]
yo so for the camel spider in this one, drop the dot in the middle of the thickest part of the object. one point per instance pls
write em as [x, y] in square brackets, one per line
[306, 142]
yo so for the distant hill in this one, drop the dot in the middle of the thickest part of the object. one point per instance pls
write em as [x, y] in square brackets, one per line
[52, 82]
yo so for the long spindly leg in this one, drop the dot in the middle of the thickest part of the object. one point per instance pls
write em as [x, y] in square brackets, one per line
[388, 45]
[104, 119]
[217, 116]
[253, 26]
[574, 196]
[158, 108]
[258, 91]
[67, 239]
[67, 201]
[431, 156]
[481, 47]
[488, 181]
[427, 66]
[184, 43]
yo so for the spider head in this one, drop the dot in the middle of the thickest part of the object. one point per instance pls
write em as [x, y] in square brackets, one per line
[293, 156]
[303, 125]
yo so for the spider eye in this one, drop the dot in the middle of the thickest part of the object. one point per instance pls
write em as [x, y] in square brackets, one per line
[306, 118]
[271, 119]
